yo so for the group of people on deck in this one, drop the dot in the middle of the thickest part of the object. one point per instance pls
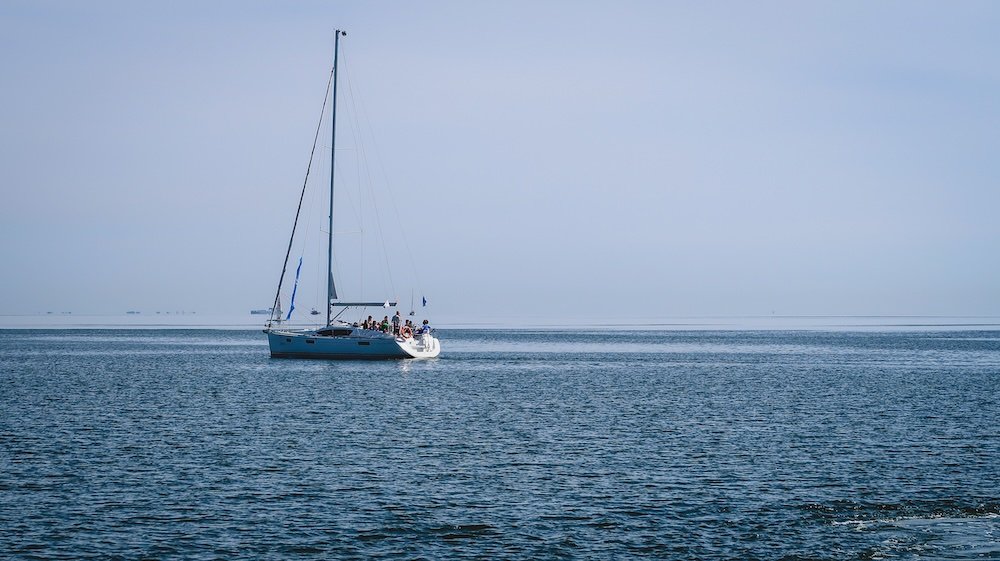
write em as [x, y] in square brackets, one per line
[396, 326]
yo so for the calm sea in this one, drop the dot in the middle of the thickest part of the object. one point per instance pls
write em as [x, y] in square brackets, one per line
[194, 444]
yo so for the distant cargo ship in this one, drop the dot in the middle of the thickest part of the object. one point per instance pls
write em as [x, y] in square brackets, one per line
[261, 312]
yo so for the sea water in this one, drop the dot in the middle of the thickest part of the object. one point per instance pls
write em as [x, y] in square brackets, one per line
[194, 444]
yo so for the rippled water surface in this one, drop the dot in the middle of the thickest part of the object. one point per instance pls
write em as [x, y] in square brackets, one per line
[194, 444]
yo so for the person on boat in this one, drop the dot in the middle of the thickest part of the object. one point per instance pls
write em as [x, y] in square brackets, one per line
[385, 324]
[369, 323]
[406, 331]
[396, 319]
[425, 329]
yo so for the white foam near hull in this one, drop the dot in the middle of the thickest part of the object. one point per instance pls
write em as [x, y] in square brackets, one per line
[359, 344]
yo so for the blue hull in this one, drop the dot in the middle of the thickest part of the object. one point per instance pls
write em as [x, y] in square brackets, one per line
[307, 344]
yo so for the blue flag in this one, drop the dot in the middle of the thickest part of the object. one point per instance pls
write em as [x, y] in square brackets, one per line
[424, 298]
[291, 305]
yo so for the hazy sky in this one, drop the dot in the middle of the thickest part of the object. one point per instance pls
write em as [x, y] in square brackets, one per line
[560, 160]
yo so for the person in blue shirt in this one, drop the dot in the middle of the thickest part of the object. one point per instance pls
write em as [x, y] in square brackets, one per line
[425, 328]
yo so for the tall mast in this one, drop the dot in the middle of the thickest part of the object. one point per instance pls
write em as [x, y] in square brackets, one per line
[331, 292]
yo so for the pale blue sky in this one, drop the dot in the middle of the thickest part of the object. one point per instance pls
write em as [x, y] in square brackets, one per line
[561, 160]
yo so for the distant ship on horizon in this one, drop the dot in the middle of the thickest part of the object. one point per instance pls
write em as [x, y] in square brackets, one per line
[262, 312]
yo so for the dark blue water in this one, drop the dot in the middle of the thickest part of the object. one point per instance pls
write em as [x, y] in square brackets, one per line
[569, 445]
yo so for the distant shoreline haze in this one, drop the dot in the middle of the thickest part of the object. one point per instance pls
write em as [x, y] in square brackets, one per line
[194, 320]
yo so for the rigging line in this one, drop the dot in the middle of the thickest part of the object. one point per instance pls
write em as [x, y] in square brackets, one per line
[309, 237]
[378, 223]
[338, 275]
[371, 182]
[298, 210]
[359, 164]
[318, 240]
[388, 187]
[319, 259]
[347, 192]
[356, 208]
[355, 134]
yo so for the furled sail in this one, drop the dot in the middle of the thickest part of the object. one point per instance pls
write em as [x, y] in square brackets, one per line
[295, 288]
[333, 289]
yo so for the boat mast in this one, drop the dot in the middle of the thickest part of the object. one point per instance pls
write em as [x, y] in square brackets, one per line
[330, 290]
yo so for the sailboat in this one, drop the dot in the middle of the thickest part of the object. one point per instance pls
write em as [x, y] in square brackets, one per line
[338, 339]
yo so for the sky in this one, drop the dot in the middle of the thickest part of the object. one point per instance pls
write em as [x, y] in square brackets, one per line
[546, 161]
